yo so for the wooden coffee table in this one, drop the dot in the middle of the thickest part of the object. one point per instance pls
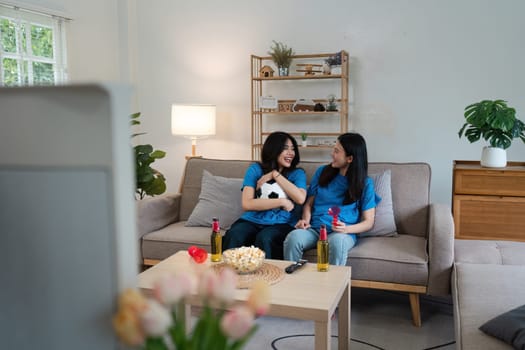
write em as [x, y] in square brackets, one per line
[304, 295]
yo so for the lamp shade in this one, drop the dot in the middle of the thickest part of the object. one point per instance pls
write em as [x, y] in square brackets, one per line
[192, 120]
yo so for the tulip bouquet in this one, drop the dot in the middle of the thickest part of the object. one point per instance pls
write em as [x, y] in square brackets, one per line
[158, 323]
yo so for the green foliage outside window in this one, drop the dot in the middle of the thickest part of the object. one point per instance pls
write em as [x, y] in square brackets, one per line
[39, 59]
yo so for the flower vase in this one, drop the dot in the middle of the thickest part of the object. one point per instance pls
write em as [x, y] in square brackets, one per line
[283, 71]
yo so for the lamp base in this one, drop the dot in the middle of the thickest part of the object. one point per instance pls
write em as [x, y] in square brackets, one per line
[191, 156]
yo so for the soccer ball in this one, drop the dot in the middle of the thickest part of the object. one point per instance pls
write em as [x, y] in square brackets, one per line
[270, 189]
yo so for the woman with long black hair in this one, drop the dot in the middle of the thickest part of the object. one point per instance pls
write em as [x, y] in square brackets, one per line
[268, 218]
[344, 183]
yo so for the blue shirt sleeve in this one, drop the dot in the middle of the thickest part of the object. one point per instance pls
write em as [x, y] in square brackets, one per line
[369, 198]
[253, 173]
[314, 184]
[298, 178]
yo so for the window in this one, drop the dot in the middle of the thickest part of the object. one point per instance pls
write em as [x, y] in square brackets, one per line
[32, 47]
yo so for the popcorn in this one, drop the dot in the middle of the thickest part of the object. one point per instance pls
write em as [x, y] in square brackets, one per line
[244, 259]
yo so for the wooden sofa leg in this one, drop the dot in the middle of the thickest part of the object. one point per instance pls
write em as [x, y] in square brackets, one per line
[414, 307]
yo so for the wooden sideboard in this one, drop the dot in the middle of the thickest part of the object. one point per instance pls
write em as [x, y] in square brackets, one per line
[488, 203]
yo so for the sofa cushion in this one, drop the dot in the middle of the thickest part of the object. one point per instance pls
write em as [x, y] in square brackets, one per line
[384, 223]
[163, 243]
[156, 212]
[508, 327]
[220, 197]
[400, 259]
[481, 292]
[489, 252]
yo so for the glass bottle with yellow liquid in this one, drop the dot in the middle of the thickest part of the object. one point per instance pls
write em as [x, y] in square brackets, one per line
[322, 250]
[216, 241]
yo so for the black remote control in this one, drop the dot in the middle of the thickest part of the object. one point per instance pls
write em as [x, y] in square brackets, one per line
[295, 266]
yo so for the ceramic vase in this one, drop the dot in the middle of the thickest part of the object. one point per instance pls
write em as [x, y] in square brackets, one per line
[493, 157]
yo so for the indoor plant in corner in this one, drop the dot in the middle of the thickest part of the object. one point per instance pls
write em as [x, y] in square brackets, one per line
[496, 123]
[281, 56]
[149, 181]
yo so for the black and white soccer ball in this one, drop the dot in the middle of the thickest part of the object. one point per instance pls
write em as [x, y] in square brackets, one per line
[270, 189]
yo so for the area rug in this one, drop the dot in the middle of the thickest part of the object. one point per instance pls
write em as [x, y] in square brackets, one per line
[379, 320]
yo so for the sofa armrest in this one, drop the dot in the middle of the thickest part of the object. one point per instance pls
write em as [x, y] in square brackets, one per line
[440, 249]
[156, 212]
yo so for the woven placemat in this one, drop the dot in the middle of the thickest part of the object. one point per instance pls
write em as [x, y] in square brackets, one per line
[267, 272]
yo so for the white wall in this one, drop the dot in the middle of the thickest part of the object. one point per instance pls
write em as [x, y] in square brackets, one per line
[414, 66]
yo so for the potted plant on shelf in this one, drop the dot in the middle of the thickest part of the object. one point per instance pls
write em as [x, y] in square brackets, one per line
[496, 123]
[304, 141]
[282, 56]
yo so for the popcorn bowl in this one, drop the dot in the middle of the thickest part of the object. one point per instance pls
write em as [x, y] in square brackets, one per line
[244, 259]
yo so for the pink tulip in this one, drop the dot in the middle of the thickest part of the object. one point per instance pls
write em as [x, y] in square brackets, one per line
[259, 299]
[227, 285]
[170, 289]
[156, 319]
[209, 284]
[237, 322]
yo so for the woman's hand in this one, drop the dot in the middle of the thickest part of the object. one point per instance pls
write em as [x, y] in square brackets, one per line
[302, 224]
[340, 227]
[286, 204]
[264, 179]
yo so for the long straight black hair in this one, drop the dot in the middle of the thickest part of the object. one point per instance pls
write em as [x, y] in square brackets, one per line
[354, 145]
[273, 147]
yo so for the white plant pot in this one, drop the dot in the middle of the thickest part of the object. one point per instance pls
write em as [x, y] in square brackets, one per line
[304, 143]
[493, 157]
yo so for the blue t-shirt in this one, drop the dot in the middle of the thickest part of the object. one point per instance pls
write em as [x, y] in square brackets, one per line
[276, 215]
[334, 194]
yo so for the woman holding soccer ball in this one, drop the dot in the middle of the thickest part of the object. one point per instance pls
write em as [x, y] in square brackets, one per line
[271, 190]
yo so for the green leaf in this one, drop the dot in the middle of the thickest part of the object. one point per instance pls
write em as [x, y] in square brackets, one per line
[158, 154]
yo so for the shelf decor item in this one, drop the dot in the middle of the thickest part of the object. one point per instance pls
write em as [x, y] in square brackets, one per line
[332, 105]
[304, 141]
[266, 72]
[282, 57]
[334, 64]
[497, 124]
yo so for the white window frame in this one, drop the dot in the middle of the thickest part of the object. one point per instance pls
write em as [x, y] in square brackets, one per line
[28, 17]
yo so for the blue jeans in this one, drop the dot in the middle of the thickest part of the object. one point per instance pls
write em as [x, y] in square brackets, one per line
[300, 240]
[268, 238]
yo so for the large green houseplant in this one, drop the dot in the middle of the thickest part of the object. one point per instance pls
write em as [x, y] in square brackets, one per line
[493, 121]
[281, 56]
[149, 181]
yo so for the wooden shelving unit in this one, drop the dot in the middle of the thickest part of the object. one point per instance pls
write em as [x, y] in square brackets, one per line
[259, 88]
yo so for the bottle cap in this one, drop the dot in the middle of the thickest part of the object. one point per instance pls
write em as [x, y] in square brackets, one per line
[322, 233]
[215, 224]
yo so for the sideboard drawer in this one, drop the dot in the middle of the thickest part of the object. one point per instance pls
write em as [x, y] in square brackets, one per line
[489, 182]
[489, 217]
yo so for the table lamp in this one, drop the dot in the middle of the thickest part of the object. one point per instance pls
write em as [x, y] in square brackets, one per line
[193, 121]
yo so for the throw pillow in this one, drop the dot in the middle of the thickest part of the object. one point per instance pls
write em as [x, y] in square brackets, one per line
[508, 327]
[220, 197]
[384, 223]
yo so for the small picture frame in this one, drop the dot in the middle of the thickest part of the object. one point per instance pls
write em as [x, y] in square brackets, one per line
[267, 102]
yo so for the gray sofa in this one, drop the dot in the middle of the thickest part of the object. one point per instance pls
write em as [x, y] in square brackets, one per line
[488, 279]
[417, 260]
